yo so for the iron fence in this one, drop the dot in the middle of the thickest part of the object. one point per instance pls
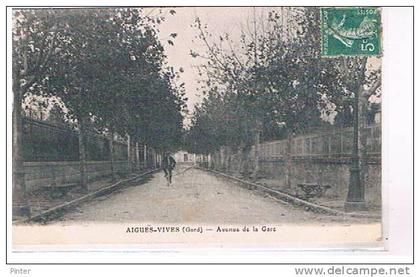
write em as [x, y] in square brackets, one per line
[44, 141]
[330, 144]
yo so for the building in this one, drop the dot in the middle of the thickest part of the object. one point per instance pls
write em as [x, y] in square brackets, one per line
[183, 157]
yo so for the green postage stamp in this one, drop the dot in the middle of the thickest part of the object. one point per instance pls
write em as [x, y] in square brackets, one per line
[351, 31]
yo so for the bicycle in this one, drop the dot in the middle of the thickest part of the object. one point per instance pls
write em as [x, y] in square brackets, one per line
[168, 176]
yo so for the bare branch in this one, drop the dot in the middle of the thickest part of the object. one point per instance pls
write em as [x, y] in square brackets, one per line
[213, 54]
[234, 55]
[373, 88]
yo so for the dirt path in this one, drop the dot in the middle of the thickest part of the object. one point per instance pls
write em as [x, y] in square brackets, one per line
[195, 196]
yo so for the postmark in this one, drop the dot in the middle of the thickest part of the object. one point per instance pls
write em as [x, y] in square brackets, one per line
[352, 31]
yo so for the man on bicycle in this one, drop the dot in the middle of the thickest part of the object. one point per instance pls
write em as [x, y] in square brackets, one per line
[168, 164]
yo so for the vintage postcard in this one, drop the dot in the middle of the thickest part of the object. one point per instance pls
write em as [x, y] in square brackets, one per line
[159, 127]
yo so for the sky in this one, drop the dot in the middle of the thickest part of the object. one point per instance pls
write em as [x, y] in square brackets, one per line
[219, 20]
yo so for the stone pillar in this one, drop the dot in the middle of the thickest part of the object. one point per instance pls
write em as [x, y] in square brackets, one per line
[158, 158]
[222, 158]
[209, 161]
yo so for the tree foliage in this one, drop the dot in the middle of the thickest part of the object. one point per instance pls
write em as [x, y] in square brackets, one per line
[274, 79]
[106, 65]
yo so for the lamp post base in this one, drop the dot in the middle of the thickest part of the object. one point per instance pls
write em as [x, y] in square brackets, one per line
[355, 206]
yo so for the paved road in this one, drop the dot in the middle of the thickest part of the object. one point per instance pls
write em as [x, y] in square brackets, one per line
[195, 196]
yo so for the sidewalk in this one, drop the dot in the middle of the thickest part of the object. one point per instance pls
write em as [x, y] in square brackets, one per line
[331, 201]
[45, 199]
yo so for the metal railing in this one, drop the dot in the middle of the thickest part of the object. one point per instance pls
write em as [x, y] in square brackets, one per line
[45, 141]
[330, 144]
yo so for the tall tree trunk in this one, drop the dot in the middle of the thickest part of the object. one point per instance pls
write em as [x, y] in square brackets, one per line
[155, 159]
[145, 156]
[245, 156]
[82, 153]
[111, 154]
[363, 106]
[19, 193]
[256, 153]
[288, 160]
[129, 156]
[137, 156]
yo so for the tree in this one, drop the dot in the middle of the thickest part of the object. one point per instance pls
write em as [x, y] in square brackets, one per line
[100, 63]
[206, 134]
[34, 39]
[112, 64]
[57, 115]
[278, 79]
[362, 83]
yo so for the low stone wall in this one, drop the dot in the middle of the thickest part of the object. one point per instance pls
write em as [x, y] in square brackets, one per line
[323, 158]
[326, 171]
[41, 174]
[332, 172]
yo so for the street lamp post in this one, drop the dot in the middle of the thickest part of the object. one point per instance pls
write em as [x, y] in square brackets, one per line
[356, 196]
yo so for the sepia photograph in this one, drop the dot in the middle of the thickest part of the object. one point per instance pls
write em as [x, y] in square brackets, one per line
[164, 126]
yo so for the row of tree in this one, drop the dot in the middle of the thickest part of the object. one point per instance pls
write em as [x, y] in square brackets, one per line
[106, 66]
[274, 82]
